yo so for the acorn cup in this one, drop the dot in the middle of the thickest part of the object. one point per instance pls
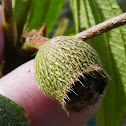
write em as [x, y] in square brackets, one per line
[70, 72]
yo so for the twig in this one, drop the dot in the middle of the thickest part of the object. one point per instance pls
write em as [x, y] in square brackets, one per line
[102, 27]
[8, 24]
[10, 49]
[8, 12]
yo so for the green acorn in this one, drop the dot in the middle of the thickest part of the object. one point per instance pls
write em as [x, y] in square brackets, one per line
[69, 71]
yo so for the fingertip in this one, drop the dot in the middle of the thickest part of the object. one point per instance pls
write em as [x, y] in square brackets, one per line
[21, 87]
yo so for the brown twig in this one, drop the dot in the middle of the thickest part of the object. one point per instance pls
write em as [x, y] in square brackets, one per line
[102, 27]
[8, 12]
[10, 49]
[8, 24]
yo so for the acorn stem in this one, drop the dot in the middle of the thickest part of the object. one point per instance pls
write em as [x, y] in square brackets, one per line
[33, 40]
[102, 27]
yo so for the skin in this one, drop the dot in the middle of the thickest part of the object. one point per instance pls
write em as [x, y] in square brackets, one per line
[21, 87]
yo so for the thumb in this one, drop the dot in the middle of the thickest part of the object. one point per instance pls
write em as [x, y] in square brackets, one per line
[20, 86]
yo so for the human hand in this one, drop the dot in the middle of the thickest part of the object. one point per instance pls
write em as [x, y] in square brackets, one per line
[21, 87]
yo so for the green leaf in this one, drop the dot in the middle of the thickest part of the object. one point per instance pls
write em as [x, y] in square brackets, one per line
[111, 47]
[21, 10]
[44, 11]
[11, 114]
[61, 28]
[75, 10]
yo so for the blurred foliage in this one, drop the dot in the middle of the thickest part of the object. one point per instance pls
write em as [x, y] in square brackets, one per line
[122, 4]
[33, 13]
[21, 10]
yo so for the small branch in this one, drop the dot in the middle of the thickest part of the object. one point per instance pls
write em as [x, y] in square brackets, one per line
[8, 12]
[102, 27]
[8, 24]
[10, 49]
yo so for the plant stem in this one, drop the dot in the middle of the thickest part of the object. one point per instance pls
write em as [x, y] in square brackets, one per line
[10, 49]
[8, 12]
[102, 27]
[8, 24]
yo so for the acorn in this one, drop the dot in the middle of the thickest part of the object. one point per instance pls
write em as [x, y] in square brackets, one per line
[69, 71]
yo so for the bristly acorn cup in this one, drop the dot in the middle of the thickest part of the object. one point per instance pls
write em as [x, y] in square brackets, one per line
[69, 71]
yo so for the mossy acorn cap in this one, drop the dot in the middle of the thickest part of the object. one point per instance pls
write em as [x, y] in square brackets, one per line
[69, 71]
